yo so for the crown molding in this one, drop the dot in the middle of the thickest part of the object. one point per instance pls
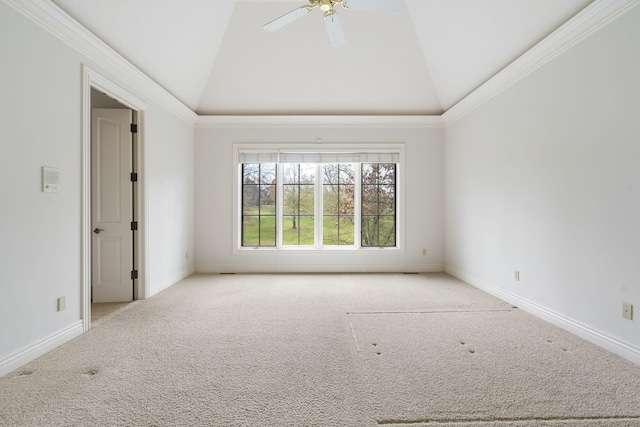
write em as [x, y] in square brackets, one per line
[320, 121]
[591, 19]
[51, 18]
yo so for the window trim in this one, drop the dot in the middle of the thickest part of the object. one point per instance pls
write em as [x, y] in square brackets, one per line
[365, 149]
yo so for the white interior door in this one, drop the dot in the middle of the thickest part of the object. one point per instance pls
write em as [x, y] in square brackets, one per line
[111, 205]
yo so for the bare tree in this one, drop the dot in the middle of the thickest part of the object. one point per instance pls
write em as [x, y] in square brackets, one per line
[338, 195]
[378, 204]
[298, 184]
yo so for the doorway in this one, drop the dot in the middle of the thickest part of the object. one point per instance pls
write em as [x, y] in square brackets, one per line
[114, 189]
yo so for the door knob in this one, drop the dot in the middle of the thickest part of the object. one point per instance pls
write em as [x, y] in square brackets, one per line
[98, 230]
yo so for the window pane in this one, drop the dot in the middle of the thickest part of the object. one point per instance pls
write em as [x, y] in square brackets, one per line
[387, 231]
[387, 198]
[267, 231]
[330, 201]
[267, 173]
[387, 173]
[250, 229]
[369, 231]
[378, 231]
[338, 173]
[387, 208]
[387, 192]
[307, 199]
[330, 173]
[268, 196]
[368, 174]
[299, 173]
[337, 230]
[346, 173]
[250, 173]
[290, 173]
[346, 206]
[369, 199]
[298, 230]
[267, 210]
[291, 199]
[307, 173]
[250, 200]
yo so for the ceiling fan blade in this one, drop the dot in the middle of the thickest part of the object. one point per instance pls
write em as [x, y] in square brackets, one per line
[377, 6]
[287, 18]
[334, 29]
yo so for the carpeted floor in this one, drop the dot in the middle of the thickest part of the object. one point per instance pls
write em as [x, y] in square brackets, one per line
[323, 350]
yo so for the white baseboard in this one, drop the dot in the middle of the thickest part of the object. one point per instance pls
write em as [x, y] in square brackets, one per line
[26, 355]
[586, 332]
[171, 280]
[314, 268]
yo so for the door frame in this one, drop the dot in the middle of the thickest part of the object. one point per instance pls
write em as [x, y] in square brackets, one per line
[93, 80]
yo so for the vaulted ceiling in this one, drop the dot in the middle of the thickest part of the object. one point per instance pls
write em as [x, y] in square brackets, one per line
[215, 57]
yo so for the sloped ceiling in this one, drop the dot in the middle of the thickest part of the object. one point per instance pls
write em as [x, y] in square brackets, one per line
[215, 57]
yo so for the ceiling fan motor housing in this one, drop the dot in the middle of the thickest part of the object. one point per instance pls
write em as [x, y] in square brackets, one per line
[324, 5]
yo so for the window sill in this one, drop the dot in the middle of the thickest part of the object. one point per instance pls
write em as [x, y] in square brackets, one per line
[332, 249]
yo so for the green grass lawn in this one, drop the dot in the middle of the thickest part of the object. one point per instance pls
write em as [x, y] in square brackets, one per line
[302, 234]
[261, 230]
[334, 234]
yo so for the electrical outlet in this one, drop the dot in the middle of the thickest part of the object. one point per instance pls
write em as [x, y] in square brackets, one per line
[62, 303]
[186, 255]
[516, 276]
[424, 252]
[627, 310]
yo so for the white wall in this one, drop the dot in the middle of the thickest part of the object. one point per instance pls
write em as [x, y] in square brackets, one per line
[423, 210]
[171, 199]
[545, 179]
[40, 233]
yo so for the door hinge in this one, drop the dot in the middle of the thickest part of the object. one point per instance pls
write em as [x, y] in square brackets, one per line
[134, 274]
[134, 225]
[134, 128]
[134, 177]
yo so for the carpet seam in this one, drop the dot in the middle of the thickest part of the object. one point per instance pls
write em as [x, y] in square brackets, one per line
[508, 420]
[351, 313]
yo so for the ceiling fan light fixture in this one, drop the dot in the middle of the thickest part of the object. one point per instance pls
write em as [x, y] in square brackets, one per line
[329, 13]
[326, 5]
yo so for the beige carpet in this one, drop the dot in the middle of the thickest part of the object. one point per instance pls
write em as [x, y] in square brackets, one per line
[323, 350]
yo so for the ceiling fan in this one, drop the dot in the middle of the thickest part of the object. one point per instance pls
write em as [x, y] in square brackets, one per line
[332, 23]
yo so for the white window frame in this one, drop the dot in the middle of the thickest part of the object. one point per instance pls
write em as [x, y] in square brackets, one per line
[396, 148]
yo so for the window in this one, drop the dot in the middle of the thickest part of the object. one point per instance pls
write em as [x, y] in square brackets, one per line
[379, 204]
[318, 200]
[338, 207]
[259, 204]
[298, 214]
